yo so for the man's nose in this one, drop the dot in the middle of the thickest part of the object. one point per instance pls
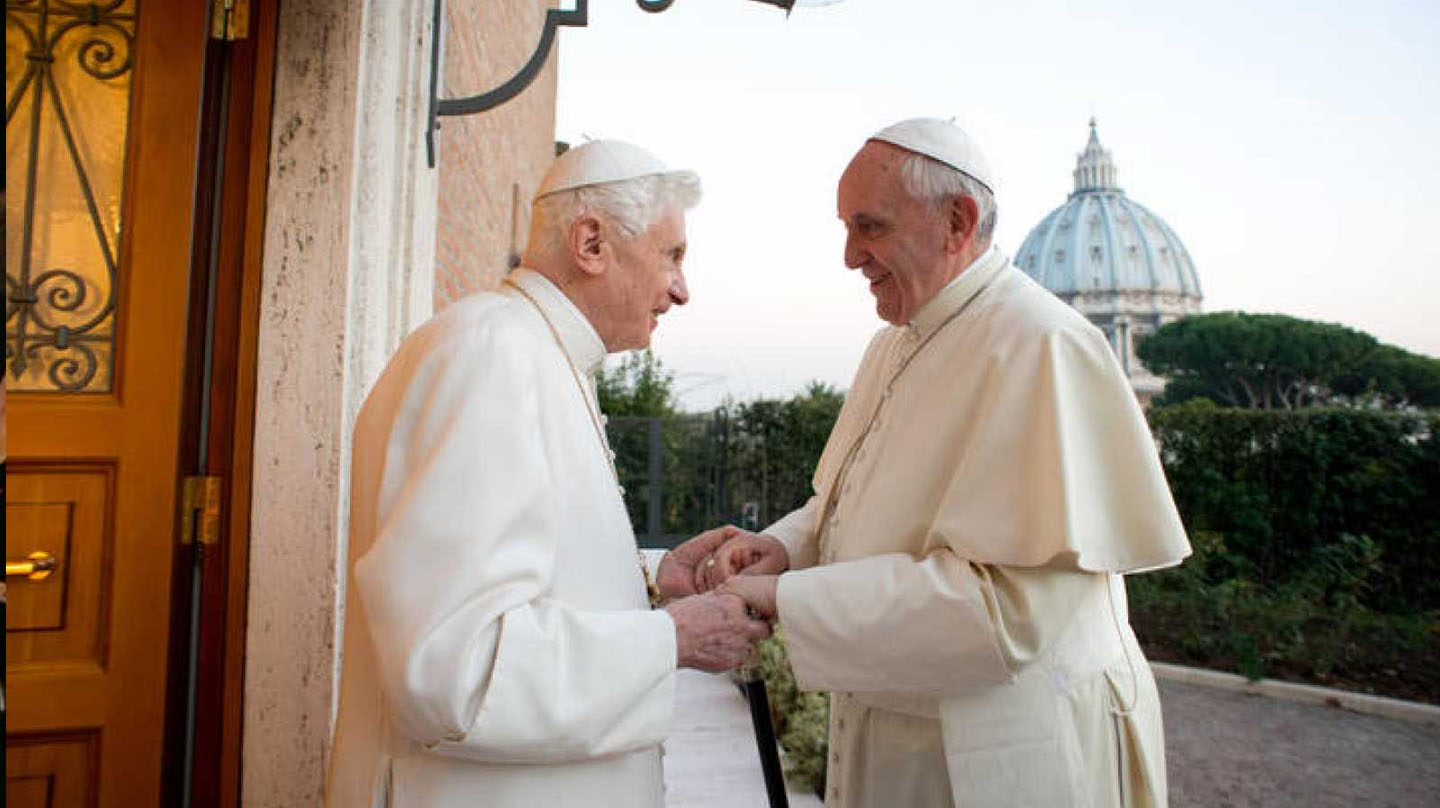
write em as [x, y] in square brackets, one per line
[679, 293]
[855, 255]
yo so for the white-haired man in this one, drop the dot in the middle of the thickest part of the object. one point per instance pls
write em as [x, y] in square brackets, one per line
[955, 582]
[500, 648]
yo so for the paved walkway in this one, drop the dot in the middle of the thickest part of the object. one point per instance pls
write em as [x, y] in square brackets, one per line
[1236, 749]
[1224, 749]
[710, 759]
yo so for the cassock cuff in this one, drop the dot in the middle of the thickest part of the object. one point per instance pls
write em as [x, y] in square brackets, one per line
[794, 531]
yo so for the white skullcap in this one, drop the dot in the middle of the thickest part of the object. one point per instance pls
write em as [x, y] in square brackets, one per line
[600, 161]
[943, 141]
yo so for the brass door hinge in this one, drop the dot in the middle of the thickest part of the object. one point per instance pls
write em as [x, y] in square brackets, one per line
[200, 511]
[229, 19]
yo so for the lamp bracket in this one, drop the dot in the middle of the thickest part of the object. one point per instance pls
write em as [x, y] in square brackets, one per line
[554, 18]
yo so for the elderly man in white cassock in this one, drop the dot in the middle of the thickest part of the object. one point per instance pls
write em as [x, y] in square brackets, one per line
[955, 581]
[500, 645]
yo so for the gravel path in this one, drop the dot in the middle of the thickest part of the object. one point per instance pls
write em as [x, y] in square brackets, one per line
[1235, 749]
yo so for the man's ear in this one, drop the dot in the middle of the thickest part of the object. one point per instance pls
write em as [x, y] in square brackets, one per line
[962, 222]
[587, 244]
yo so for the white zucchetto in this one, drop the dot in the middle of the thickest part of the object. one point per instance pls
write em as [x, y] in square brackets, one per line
[943, 141]
[600, 161]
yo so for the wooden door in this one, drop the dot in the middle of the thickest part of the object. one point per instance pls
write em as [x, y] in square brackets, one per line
[102, 112]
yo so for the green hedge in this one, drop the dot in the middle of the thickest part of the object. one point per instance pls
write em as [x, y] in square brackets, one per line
[1317, 547]
[1286, 491]
[801, 717]
[1312, 628]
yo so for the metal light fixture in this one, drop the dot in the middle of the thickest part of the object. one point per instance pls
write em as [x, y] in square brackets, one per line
[554, 18]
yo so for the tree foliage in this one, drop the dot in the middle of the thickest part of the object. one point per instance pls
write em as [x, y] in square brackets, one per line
[746, 463]
[639, 386]
[773, 448]
[1271, 361]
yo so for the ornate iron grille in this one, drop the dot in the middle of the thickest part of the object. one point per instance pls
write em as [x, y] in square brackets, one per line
[68, 79]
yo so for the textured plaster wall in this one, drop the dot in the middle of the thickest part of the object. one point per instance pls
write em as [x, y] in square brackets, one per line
[348, 270]
[300, 376]
[490, 163]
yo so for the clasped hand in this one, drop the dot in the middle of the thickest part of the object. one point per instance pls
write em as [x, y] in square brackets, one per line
[710, 578]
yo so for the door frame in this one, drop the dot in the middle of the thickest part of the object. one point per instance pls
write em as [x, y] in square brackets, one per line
[219, 427]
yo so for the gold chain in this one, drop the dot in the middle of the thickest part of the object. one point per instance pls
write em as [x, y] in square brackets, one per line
[652, 592]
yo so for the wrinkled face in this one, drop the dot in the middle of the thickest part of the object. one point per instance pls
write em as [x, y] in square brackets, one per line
[896, 241]
[647, 281]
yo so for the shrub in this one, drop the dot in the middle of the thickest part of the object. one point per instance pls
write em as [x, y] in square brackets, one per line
[1313, 627]
[801, 718]
[1285, 489]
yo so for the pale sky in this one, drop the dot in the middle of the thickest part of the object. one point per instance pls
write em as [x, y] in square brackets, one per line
[1291, 145]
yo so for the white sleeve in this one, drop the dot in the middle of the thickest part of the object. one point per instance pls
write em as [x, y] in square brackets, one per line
[796, 531]
[475, 660]
[937, 626]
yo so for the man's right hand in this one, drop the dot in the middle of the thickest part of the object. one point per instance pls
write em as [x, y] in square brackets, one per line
[713, 631]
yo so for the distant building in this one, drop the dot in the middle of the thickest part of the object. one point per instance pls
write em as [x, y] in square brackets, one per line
[1113, 260]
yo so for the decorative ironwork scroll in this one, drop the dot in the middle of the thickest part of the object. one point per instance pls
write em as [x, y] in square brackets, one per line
[68, 76]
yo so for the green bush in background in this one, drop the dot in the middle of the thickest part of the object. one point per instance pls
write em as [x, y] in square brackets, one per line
[1317, 547]
[774, 446]
[1286, 488]
[801, 718]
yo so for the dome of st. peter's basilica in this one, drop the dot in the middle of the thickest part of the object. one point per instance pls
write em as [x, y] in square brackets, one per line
[1114, 260]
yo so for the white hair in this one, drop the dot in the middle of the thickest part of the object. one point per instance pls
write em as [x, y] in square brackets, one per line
[630, 206]
[930, 180]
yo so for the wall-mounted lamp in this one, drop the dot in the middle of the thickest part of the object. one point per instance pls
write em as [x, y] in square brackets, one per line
[554, 18]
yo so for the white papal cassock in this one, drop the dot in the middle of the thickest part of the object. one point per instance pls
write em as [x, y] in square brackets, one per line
[499, 648]
[960, 594]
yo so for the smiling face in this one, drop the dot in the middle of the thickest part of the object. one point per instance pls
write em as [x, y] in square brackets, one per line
[898, 242]
[645, 279]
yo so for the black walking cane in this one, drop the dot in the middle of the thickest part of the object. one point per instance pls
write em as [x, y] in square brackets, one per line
[753, 682]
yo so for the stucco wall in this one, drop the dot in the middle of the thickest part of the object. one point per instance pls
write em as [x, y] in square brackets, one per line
[299, 432]
[490, 163]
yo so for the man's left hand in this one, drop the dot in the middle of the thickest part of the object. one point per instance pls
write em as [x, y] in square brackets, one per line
[675, 577]
[758, 592]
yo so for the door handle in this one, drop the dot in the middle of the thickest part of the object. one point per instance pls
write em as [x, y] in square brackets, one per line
[37, 566]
